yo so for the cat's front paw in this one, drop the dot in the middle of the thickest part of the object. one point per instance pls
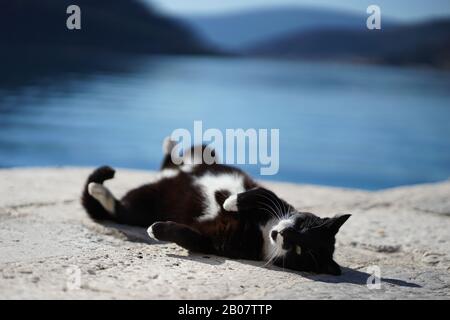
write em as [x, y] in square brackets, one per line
[231, 203]
[160, 231]
[154, 230]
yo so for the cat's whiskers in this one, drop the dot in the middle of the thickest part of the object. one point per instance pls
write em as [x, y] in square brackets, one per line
[284, 208]
[274, 208]
[270, 212]
[274, 213]
[275, 204]
[272, 256]
[286, 211]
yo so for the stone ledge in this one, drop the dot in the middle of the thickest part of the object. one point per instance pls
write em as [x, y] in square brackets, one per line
[44, 232]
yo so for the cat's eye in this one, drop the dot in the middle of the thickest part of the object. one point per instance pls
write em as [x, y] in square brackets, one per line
[298, 250]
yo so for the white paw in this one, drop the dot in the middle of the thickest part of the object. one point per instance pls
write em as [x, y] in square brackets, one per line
[168, 145]
[150, 233]
[97, 190]
[102, 195]
[230, 203]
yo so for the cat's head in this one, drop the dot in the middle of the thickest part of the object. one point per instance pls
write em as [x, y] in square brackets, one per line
[305, 242]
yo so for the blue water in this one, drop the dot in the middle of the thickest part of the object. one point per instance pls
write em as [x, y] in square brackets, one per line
[354, 126]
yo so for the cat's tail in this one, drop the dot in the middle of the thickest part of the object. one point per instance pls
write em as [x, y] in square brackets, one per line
[96, 199]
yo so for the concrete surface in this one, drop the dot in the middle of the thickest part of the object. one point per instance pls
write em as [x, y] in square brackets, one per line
[50, 249]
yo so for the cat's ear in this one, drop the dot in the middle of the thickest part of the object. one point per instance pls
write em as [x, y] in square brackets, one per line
[335, 223]
[332, 268]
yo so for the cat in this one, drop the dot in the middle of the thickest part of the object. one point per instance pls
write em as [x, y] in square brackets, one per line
[218, 209]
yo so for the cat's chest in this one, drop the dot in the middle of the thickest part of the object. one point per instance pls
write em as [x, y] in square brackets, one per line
[213, 189]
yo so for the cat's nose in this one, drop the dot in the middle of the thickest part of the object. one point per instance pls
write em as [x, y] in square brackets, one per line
[273, 235]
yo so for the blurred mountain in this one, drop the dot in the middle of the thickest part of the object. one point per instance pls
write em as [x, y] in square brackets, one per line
[106, 25]
[241, 30]
[426, 43]
[36, 48]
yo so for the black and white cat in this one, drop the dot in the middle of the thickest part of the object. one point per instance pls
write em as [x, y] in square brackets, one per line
[218, 209]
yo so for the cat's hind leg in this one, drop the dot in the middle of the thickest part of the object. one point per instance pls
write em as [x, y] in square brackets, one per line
[95, 199]
[98, 201]
[167, 148]
[139, 207]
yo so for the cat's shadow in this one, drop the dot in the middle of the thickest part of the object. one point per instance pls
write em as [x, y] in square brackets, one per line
[138, 234]
[202, 258]
[133, 234]
[351, 276]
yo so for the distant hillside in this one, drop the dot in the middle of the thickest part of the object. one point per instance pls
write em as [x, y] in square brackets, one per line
[420, 44]
[109, 25]
[241, 30]
[37, 47]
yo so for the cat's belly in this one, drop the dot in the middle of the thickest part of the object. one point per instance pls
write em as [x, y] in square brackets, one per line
[210, 184]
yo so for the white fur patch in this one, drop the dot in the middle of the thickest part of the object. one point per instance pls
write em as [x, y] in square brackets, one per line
[188, 168]
[209, 184]
[102, 195]
[230, 203]
[280, 226]
[150, 233]
[274, 248]
[168, 173]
